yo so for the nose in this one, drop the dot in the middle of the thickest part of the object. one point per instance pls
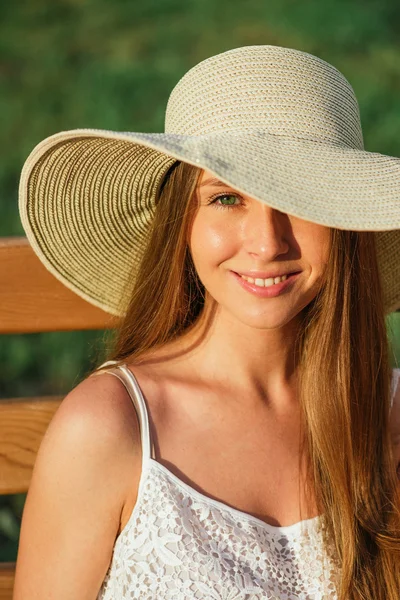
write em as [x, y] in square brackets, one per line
[265, 232]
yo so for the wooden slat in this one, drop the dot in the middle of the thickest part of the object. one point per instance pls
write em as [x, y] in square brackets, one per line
[33, 300]
[7, 575]
[23, 422]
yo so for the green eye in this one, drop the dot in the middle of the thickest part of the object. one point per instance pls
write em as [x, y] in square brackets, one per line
[226, 199]
[231, 198]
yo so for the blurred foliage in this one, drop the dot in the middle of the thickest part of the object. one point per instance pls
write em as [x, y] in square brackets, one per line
[48, 363]
[75, 63]
[67, 64]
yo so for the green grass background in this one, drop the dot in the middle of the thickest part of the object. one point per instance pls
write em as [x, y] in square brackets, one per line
[111, 65]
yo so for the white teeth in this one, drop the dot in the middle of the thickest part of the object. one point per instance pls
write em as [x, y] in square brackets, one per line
[265, 282]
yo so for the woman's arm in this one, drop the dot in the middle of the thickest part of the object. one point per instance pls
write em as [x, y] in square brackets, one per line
[88, 462]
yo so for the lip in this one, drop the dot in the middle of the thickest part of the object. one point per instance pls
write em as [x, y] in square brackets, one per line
[266, 292]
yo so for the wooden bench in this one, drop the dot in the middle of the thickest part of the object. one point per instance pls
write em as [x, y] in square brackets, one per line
[32, 300]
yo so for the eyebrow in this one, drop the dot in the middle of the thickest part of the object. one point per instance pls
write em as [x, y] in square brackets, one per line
[213, 181]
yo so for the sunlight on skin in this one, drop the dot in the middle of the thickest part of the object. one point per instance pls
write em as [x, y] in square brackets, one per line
[239, 233]
[251, 339]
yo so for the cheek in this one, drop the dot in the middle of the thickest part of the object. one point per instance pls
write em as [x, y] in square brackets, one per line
[323, 242]
[211, 241]
[316, 248]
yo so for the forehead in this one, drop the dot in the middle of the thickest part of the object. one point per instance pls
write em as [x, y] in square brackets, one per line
[207, 179]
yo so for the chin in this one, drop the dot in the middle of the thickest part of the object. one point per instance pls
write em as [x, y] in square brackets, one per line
[272, 320]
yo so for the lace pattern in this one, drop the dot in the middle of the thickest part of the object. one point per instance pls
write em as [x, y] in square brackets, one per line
[180, 545]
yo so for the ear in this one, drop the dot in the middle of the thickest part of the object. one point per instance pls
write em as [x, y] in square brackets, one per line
[394, 420]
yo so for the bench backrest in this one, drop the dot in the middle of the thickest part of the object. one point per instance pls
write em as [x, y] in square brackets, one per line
[32, 300]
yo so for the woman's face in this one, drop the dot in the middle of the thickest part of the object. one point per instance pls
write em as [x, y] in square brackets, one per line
[233, 235]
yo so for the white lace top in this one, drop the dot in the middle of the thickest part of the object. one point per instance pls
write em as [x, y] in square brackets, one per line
[180, 544]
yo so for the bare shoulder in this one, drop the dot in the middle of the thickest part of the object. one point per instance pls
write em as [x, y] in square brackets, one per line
[88, 462]
[395, 410]
[98, 418]
[101, 405]
[98, 415]
[394, 421]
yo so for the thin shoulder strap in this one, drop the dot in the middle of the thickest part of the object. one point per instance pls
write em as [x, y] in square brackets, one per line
[128, 379]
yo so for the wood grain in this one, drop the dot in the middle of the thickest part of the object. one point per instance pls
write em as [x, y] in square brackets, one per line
[33, 300]
[23, 422]
[7, 574]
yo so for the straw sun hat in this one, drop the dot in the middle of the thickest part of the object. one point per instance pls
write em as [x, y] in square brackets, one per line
[278, 124]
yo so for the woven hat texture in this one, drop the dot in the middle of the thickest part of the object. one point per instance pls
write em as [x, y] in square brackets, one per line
[277, 124]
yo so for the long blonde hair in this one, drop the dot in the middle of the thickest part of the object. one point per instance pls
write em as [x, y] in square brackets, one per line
[344, 383]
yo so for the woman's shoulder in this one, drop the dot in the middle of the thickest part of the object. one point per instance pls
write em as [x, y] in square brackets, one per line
[395, 401]
[96, 422]
[100, 406]
[103, 397]
[87, 464]
[395, 379]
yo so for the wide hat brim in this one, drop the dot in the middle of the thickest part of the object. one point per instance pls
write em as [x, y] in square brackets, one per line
[87, 197]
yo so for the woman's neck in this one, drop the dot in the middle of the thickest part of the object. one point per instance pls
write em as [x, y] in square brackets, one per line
[223, 351]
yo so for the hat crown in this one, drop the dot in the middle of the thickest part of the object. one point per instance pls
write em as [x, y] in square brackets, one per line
[281, 90]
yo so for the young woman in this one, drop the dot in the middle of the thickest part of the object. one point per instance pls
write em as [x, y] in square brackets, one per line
[243, 437]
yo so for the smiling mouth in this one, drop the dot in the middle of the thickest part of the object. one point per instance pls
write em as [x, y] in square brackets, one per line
[266, 282]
